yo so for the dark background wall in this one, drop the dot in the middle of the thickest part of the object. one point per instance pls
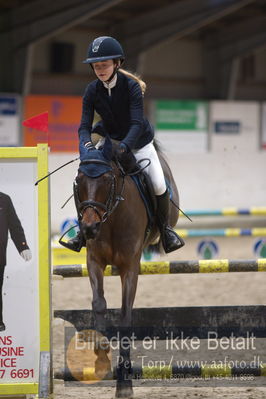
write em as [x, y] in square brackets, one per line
[213, 49]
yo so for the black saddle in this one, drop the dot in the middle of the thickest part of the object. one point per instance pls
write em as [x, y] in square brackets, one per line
[145, 187]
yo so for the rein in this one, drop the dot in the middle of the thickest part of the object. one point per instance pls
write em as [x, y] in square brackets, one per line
[119, 197]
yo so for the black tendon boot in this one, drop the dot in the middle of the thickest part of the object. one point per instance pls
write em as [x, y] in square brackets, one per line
[76, 243]
[170, 239]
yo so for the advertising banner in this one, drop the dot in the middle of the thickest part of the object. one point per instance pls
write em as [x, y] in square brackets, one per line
[234, 125]
[64, 119]
[181, 115]
[227, 127]
[182, 125]
[9, 119]
[24, 270]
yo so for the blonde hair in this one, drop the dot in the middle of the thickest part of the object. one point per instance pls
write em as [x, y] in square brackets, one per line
[136, 78]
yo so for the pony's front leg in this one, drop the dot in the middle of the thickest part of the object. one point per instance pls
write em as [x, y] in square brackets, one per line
[101, 345]
[129, 280]
[99, 306]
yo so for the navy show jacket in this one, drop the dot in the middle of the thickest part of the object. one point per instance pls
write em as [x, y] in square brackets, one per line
[121, 113]
[9, 222]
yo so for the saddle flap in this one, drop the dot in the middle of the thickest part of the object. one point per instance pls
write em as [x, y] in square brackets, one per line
[145, 187]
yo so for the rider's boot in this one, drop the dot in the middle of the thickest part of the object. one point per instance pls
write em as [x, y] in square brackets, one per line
[76, 243]
[170, 239]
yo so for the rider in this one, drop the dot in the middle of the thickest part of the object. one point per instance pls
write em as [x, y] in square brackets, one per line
[117, 96]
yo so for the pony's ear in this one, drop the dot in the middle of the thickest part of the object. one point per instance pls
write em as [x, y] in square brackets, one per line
[107, 148]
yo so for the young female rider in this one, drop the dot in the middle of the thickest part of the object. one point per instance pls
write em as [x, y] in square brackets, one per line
[117, 96]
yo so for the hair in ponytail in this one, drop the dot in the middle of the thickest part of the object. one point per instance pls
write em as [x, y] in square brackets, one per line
[136, 78]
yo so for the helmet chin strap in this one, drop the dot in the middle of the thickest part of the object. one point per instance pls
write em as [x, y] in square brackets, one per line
[113, 74]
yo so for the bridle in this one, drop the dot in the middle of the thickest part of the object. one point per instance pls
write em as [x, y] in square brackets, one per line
[112, 200]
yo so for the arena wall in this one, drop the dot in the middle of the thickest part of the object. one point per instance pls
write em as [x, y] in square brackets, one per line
[231, 172]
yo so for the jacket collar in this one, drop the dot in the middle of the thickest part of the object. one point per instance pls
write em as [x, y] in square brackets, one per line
[110, 85]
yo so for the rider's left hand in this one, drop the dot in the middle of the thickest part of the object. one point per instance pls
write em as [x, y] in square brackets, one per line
[121, 149]
[125, 157]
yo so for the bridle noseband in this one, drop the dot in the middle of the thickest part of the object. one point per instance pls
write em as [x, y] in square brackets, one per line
[112, 200]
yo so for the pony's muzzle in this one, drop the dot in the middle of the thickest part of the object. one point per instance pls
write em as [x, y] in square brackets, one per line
[90, 231]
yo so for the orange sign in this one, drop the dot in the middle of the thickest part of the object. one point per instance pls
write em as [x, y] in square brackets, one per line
[64, 119]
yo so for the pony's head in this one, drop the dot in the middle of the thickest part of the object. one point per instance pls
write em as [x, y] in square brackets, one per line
[96, 189]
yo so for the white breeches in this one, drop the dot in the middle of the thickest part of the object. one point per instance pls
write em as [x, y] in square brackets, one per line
[154, 170]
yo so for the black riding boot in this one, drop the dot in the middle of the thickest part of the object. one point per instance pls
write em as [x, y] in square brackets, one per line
[76, 243]
[170, 239]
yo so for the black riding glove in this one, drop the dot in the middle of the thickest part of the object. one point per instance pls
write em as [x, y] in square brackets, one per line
[125, 157]
[121, 149]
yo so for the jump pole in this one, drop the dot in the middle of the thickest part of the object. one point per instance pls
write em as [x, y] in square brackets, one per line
[173, 267]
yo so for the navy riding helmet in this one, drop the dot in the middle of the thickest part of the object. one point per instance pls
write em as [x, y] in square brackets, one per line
[104, 48]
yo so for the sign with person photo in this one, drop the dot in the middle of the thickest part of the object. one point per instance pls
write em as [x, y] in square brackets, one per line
[24, 271]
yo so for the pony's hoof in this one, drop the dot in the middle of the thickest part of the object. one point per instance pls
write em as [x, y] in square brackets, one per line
[124, 389]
